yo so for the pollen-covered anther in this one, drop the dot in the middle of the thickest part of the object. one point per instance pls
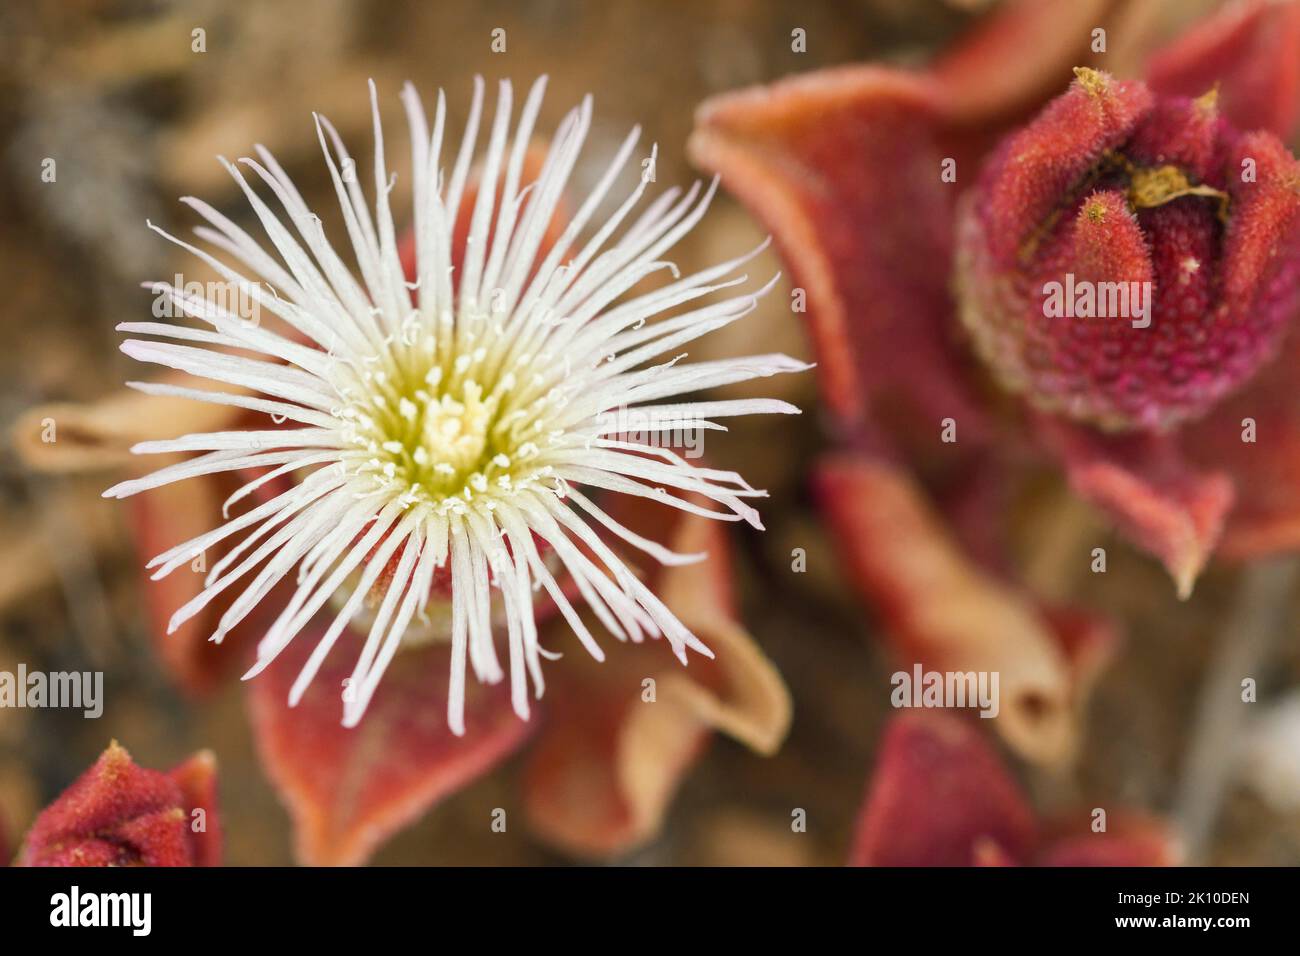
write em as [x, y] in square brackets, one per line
[1151, 187]
[1094, 82]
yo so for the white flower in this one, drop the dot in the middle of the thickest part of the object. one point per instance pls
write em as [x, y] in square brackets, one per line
[447, 425]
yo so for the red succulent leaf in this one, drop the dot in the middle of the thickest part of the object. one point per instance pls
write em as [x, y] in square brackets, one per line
[1248, 50]
[349, 789]
[613, 747]
[844, 166]
[1155, 497]
[940, 796]
[119, 814]
[1016, 56]
[945, 612]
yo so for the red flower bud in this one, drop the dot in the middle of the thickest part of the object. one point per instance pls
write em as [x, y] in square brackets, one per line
[120, 814]
[1128, 260]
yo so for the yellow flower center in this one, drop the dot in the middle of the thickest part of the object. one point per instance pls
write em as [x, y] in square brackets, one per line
[453, 434]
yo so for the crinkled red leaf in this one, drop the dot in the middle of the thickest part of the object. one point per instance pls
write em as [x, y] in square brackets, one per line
[1156, 498]
[1249, 51]
[119, 814]
[899, 556]
[939, 796]
[843, 166]
[349, 790]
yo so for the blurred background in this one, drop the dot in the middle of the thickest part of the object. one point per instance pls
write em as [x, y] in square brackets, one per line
[135, 117]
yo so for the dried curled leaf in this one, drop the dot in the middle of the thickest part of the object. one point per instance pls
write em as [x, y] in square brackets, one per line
[620, 734]
[69, 438]
[948, 614]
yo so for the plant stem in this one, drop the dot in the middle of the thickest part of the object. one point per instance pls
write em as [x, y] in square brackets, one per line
[1241, 647]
